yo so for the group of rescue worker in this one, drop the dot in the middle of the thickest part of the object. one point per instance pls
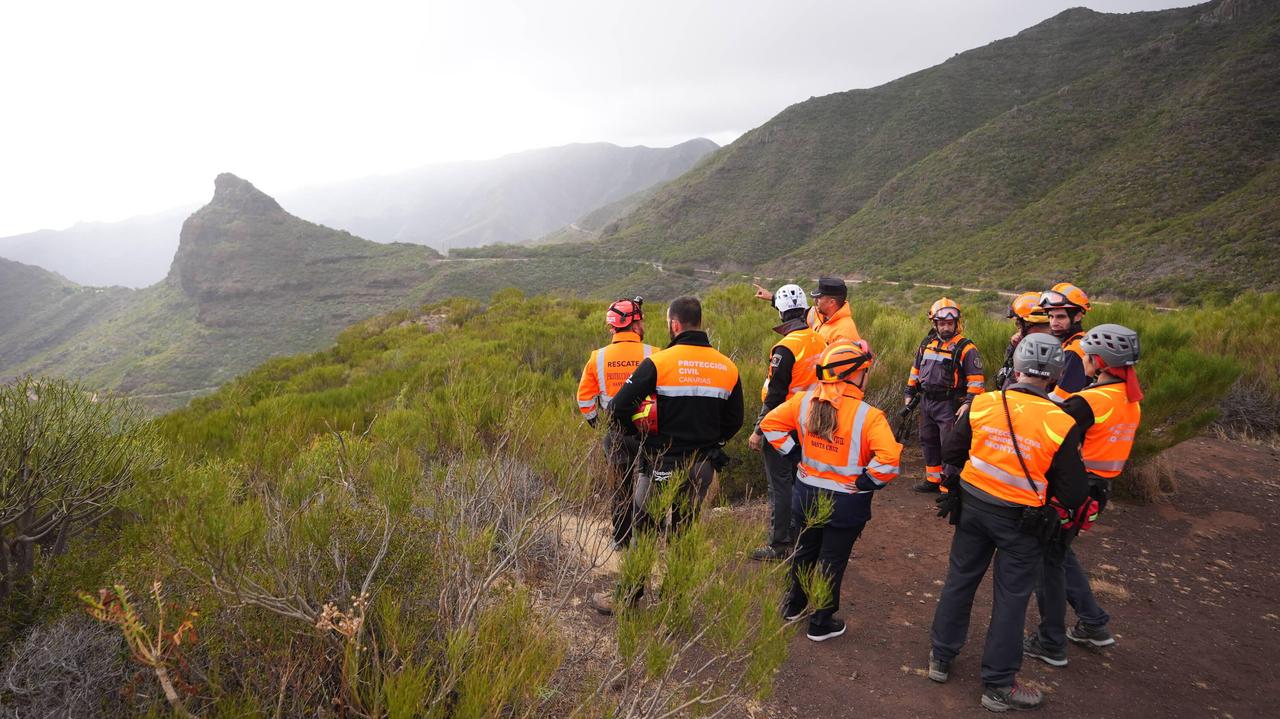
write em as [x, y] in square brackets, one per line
[1018, 472]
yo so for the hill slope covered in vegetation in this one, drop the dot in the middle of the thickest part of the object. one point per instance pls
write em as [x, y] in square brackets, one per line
[1137, 154]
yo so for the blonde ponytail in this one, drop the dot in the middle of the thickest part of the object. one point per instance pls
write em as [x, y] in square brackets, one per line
[822, 419]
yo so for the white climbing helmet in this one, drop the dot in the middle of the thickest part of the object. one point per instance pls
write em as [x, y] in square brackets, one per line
[790, 297]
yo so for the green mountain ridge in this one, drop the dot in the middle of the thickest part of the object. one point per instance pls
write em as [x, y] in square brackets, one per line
[250, 282]
[1135, 153]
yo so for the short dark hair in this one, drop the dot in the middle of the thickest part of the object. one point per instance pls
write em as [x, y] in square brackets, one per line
[687, 310]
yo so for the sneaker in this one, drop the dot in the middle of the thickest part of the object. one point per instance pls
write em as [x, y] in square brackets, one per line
[833, 628]
[791, 615]
[1033, 647]
[769, 553]
[1092, 634]
[1017, 697]
[939, 671]
[924, 486]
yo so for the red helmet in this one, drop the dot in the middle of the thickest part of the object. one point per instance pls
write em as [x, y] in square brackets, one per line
[623, 312]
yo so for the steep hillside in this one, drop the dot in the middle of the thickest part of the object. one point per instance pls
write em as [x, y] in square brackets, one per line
[1155, 176]
[132, 253]
[818, 161]
[516, 198]
[1150, 136]
[249, 282]
[511, 199]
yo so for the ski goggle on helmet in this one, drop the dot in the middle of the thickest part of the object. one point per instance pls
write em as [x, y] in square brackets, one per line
[623, 312]
[944, 309]
[841, 361]
[1065, 296]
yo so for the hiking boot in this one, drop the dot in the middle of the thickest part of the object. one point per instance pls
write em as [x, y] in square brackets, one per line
[832, 629]
[924, 486]
[607, 602]
[1017, 697]
[939, 671]
[770, 553]
[1094, 635]
[1033, 647]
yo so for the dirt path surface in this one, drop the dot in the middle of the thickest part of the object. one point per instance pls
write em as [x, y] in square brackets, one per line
[1191, 583]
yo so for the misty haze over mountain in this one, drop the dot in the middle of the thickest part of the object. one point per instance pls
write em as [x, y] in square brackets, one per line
[511, 199]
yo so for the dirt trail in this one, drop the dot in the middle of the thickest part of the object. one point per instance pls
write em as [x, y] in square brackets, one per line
[1191, 583]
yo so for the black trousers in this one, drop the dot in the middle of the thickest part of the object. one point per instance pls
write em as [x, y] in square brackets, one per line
[781, 474]
[1064, 582]
[986, 530]
[653, 475]
[827, 545]
[620, 454]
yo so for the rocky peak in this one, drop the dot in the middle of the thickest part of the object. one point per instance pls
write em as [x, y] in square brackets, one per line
[240, 196]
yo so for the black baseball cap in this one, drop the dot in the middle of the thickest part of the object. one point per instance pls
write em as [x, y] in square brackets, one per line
[831, 286]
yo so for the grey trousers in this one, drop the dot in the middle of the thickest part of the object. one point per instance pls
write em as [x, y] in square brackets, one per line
[688, 500]
[937, 419]
[986, 530]
[781, 473]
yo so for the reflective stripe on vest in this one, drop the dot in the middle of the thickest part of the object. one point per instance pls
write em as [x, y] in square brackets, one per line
[1109, 441]
[605, 396]
[694, 371]
[993, 465]
[806, 346]
[810, 470]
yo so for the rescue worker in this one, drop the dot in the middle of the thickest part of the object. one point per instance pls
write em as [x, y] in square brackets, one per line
[1066, 306]
[1108, 412]
[793, 362]
[947, 374]
[1017, 448]
[1026, 312]
[846, 451]
[698, 398]
[604, 374]
[830, 315]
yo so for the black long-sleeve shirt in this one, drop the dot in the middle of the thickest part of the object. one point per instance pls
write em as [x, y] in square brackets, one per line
[781, 362]
[685, 423]
[1066, 474]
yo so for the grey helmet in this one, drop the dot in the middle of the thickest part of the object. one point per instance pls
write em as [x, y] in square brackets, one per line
[1117, 345]
[1040, 355]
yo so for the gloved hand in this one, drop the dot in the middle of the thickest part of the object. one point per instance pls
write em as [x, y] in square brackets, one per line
[949, 507]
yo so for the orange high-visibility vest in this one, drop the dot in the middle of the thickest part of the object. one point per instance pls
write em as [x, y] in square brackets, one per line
[1109, 441]
[806, 346]
[1071, 345]
[694, 371]
[839, 326]
[607, 369]
[863, 440]
[993, 467]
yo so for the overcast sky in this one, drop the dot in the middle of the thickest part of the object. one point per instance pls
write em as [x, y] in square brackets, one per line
[113, 109]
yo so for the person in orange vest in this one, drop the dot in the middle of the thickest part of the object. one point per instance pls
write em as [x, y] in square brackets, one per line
[698, 399]
[947, 374]
[1066, 306]
[793, 362]
[846, 451]
[1018, 448]
[830, 315]
[1109, 412]
[607, 369]
[1026, 312]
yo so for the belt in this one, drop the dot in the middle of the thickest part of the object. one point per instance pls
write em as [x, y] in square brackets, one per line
[940, 394]
[975, 502]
